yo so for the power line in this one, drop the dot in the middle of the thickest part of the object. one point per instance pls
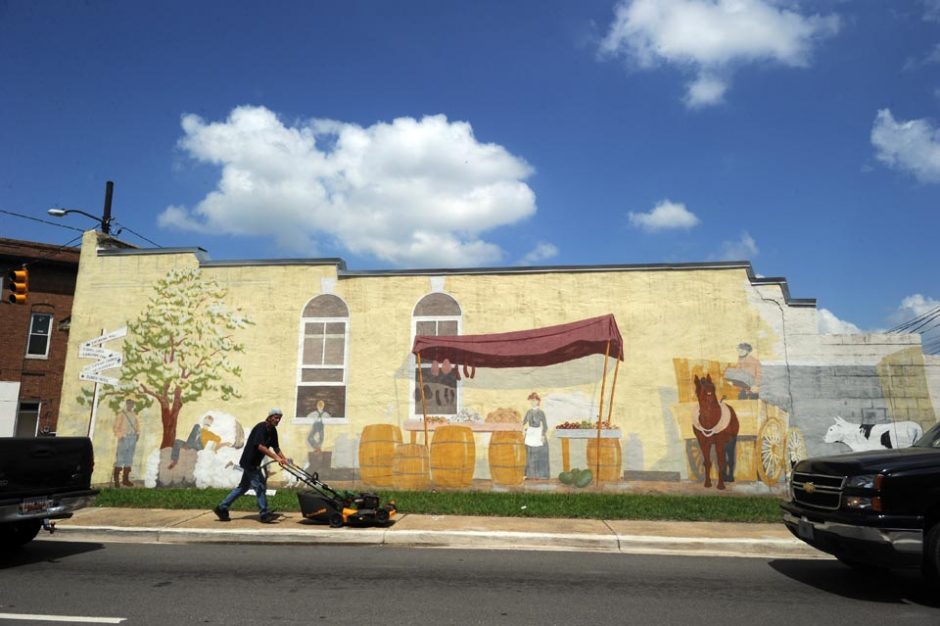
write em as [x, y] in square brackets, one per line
[133, 232]
[36, 219]
[932, 318]
[923, 317]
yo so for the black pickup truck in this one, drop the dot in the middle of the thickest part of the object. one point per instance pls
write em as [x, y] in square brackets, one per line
[871, 510]
[41, 479]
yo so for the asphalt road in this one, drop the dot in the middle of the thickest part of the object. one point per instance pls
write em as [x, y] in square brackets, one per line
[252, 584]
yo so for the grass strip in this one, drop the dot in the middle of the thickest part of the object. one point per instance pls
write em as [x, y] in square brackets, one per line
[544, 505]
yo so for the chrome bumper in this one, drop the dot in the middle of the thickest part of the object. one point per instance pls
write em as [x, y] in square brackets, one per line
[903, 541]
[60, 507]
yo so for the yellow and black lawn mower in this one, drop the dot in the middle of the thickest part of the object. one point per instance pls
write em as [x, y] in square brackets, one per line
[339, 508]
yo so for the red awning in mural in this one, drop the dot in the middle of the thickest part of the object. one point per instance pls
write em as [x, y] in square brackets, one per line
[526, 348]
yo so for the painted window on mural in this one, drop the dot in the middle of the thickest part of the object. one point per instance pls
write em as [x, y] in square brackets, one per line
[437, 314]
[321, 375]
[40, 326]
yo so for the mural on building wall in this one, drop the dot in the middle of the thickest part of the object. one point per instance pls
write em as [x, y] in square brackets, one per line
[176, 351]
[728, 404]
[126, 430]
[746, 373]
[322, 376]
[535, 426]
[759, 441]
[716, 428]
[863, 437]
[207, 458]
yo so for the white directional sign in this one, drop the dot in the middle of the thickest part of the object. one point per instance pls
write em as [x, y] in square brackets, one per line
[116, 360]
[97, 378]
[90, 352]
[105, 359]
[97, 341]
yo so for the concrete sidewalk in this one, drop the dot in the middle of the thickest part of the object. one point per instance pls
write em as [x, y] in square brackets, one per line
[630, 537]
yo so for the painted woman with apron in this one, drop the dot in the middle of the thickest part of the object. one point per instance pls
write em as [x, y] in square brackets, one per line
[535, 426]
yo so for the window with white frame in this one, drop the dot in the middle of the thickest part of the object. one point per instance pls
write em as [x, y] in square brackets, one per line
[40, 330]
[436, 314]
[322, 360]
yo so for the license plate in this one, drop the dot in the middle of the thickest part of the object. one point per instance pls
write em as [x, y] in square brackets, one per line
[805, 530]
[35, 505]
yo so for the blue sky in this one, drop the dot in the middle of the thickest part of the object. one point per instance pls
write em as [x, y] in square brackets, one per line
[804, 137]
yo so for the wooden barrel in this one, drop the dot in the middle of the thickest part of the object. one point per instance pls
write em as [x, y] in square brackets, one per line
[410, 467]
[453, 455]
[610, 459]
[376, 453]
[507, 457]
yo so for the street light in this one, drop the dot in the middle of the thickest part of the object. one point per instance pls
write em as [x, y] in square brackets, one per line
[104, 220]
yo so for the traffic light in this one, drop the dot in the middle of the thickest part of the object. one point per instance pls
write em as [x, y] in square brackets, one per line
[19, 286]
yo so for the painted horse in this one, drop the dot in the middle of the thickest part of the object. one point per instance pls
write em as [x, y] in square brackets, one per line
[716, 425]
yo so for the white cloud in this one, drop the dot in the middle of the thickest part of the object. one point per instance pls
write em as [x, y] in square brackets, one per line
[665, 215]
[932, 10]
[913, 306]
[541, 252]
[931, 58]
[705, 91]
[912, 146]
[710, 38]
[409, 192]
[744, 248]
[829, 324]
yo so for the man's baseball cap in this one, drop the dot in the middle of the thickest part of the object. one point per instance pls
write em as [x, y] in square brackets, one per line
[275, 411]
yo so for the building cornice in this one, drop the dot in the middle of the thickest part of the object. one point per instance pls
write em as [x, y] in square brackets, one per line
[343, 273]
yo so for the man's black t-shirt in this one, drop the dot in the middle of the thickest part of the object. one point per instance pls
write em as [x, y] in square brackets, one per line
[263, 434]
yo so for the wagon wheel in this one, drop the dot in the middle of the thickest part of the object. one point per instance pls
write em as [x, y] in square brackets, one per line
[796, 448]
[771, 445]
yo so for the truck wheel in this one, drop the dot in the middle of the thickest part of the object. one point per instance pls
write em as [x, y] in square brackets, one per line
[16, 534]
[932, 553]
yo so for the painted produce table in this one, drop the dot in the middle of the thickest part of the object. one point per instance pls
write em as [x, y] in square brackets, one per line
[417, 426]
[567, 434]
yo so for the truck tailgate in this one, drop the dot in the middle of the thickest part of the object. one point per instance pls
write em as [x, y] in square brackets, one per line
[44, 466]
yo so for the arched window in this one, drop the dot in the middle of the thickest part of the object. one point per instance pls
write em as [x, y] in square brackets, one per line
[436, 314]
[322, 360]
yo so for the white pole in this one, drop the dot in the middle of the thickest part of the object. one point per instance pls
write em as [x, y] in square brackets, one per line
[94, 414]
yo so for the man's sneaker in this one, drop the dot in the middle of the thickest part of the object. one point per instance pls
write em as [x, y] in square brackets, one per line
[222, 514]
[271, 517]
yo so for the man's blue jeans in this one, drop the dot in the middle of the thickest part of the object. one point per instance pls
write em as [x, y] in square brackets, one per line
[252, 478]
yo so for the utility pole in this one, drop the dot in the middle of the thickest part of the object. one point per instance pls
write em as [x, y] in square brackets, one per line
[106, 218]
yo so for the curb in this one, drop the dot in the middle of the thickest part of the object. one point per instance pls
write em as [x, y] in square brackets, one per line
[460, 539]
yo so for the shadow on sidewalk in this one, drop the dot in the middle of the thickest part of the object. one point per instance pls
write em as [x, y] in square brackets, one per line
[894, 586]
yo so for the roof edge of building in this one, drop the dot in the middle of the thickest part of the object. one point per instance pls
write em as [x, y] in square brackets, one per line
[344, 273]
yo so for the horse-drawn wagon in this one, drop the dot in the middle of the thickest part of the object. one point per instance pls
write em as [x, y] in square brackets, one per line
[754, 436]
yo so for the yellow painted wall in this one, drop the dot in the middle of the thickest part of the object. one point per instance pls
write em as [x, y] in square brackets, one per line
[695, 313]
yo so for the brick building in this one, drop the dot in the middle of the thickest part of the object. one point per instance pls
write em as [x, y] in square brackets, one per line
[34, 336]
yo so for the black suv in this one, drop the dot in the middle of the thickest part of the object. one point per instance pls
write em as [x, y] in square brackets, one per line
[876, 509]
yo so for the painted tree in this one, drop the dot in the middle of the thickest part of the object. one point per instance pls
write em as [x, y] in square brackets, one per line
[178, 349]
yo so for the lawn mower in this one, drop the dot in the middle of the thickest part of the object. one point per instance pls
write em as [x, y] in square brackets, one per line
[339, 508]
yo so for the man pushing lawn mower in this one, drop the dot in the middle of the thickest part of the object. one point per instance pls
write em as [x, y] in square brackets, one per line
[261, 442]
